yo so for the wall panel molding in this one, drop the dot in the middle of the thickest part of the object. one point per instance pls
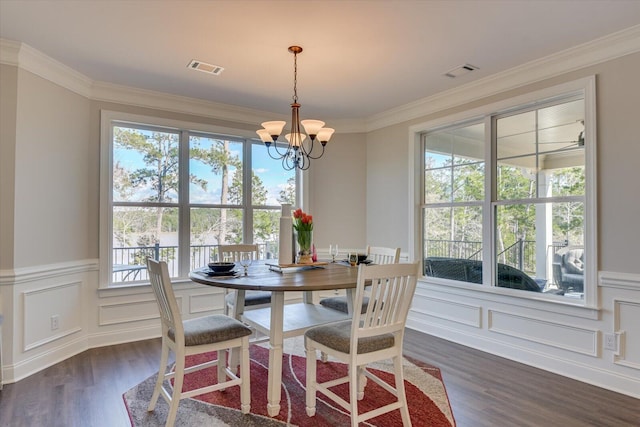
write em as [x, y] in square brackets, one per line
[41, 304]
[206, 302]
[446, 309]
[625, 325]
[124, 312]
[611, 279]
[559, 335]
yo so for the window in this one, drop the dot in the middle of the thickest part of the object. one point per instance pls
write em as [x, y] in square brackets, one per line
[508, 197]
[175, 194]
[454, 192]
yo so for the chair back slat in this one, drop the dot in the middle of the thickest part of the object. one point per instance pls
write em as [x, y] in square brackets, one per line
[381, 255]
[390, 289]
[162, 289]
[231, 253]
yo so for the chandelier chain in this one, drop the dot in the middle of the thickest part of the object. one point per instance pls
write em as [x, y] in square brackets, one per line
[295, 77]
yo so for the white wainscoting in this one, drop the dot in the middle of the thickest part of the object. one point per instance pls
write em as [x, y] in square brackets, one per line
[42, 305]
[128, 312]
[447, 309]
[566, 340]
[564, 343]
[559, 335]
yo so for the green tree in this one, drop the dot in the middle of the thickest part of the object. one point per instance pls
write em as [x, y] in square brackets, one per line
[517, 221]
[220, 159]
[157, 180]
[288, 193]
[568, 218]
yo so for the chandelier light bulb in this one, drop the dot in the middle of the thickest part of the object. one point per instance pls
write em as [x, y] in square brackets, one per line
[264, 136]
[324, 135]
[312, 127]
[295, 139]
[274, 128]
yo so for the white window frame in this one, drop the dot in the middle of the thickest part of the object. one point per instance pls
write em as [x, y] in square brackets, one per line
[107, 119]
[587, 88]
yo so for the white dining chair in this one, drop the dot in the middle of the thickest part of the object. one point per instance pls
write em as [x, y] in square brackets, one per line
[216, 332]
[252, 299]
[375, 254]
[375, 335]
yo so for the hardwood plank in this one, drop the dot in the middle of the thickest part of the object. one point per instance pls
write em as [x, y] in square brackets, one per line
[484, 390]
[487, 390]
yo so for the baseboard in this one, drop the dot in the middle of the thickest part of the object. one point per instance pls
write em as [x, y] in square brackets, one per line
[103, 339]
[32, 365]
[29, 366]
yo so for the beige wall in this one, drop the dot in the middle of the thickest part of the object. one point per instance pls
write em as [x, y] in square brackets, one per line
[51, 170]
[387, 187]
[337, 200]
[8, 100]
[618, 150]
[619, 164]
[555, 337]
[358, 195]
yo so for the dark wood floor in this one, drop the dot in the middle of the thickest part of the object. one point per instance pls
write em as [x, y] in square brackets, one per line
[484, 390]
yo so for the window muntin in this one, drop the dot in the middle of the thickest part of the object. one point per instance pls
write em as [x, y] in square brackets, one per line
[538, 162]
[177, 194]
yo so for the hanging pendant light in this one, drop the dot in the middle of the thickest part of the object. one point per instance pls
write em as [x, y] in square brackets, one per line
[297, 153]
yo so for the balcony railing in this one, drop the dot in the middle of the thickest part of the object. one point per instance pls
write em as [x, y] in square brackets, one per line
[521, 254]
[454, 249]
[129, 263]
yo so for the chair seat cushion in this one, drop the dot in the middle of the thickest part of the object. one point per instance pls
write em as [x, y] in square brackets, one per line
[338, 337]
[250, 298]
[340, 304]
[212, 329]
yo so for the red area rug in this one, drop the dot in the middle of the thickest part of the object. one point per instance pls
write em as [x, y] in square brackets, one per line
[428, 402]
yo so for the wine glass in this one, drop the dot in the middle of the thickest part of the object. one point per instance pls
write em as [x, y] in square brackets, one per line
[333, 251]
[245, 261]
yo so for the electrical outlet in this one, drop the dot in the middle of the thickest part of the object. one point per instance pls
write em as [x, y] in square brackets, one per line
[610, 342]
[55, 322]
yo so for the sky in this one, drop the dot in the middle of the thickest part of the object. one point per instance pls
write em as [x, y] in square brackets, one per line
[270, 172]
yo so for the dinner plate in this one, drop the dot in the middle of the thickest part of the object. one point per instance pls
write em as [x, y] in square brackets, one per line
[366, 261]
[220, 273]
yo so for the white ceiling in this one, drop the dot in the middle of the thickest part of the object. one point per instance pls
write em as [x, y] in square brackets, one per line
[360, 57]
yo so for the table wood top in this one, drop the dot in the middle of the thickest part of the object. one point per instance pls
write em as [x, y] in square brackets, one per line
[260, 278]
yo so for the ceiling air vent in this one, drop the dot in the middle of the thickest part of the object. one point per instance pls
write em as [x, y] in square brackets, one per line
[205, 68]
[459, 71]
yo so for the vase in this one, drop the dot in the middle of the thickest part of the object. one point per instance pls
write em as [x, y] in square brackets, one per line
[304, 244]
[305, 257]
[286, 247]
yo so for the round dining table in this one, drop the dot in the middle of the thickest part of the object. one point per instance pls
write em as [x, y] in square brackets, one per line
[280, 320]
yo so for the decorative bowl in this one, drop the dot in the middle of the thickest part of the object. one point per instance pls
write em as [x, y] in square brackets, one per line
[220, 267]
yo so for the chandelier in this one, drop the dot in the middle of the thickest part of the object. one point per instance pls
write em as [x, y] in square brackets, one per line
[299, 150]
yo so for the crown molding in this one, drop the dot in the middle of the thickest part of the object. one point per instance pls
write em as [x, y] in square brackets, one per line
[110, 92]
[24, 56]
[604, 49]
[597, 51]
[9, 51]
